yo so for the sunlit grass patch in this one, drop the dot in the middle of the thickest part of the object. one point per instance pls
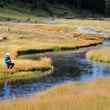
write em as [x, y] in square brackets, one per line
[40, 37]
[101, 54]
[91, 95]
[27, 36]
[91, 37]
[98, 24]
[25, 68]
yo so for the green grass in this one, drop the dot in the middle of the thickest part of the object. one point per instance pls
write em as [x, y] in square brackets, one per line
[24, 13]
[24, 75]
[17, 14]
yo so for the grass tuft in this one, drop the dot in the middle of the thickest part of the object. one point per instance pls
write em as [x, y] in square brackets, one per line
[101, 54]
[25, 68]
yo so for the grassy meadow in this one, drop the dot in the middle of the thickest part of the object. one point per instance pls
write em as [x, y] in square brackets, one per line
[90, 95]
[18, 37]
[101, 54]
[23, 32]
[25, 36]
[21, 14]
[99, 24]
[26, 69]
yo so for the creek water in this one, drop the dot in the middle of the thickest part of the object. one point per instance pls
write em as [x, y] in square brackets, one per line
[68, 66]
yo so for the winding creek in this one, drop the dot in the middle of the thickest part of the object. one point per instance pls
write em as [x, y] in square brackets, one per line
[68, 66]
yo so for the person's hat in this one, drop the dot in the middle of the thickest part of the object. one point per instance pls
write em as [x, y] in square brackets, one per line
[7, 54]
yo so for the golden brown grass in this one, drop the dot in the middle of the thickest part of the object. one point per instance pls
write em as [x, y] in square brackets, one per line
[24, 36]
[25, 68]
[98, 24]
[101, 54]
[91, 95]
[26, 65]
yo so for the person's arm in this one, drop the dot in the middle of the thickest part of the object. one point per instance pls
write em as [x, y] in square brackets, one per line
[9, 59]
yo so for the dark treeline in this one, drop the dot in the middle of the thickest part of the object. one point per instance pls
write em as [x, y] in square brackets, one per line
[94, 5]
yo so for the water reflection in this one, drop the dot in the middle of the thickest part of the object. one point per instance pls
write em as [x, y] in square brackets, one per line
[6, 89]
[106, 42]
[67, 67]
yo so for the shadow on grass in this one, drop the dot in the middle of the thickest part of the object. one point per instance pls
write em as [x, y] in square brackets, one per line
[34, 51]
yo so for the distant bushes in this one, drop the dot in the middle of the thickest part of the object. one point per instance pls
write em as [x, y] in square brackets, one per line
[94, 5]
